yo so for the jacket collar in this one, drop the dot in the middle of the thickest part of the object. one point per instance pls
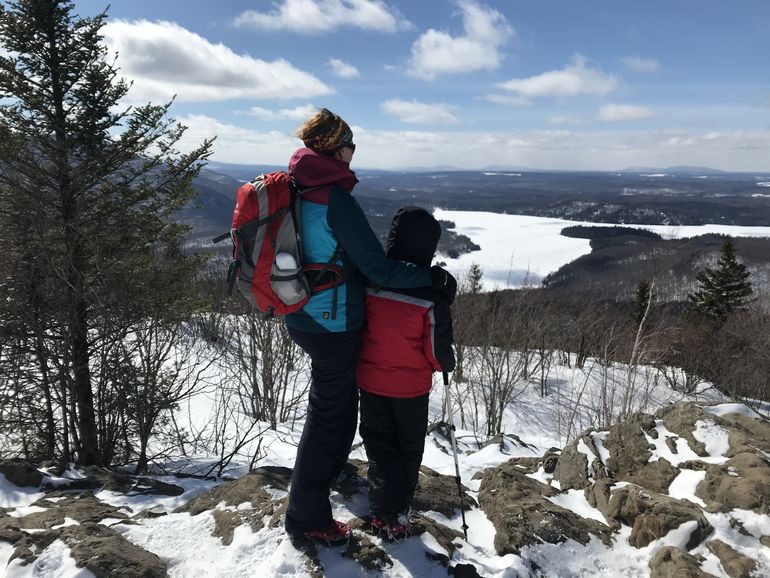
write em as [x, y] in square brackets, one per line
[311, 169]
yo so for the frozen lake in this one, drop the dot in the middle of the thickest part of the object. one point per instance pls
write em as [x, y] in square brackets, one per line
[520, 249]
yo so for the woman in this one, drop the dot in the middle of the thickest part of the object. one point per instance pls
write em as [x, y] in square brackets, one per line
[335, 231]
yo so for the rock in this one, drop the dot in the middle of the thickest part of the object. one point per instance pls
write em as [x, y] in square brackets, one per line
[464, 571]
[226, 521]
[352, 479]
[21, 473]
[572, 466]
[517, 507]
[81, 508]
[97, 478]
[765, 541]
[103, 551]
[749, 490]
[438, 493]
[444, 535]
[735, 564]
[530, 465]
[365, 552]
[656, 476]
[680, 419]
[598, 495]
[653, 515]
[747, 434]
[671, 562]
[249, 488]
[628, 447]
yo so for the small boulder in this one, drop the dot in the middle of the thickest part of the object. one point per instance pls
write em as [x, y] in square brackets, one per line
[522, 515]
[248, 488]
[748, 490]
[680, 418]
[99, 549]
[438, 493]
[735, 564]
[628, 446]
[671, 562]
[653, 515]
[656, 476]
[21, 473]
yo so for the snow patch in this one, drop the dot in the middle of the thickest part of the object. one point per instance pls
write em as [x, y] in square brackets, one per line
[598, 439]
[53, 562]
[12, 496]
[724, 409]
[683, 486]
[683, 453]
[714, 437]
[575, 501]
[583, 448]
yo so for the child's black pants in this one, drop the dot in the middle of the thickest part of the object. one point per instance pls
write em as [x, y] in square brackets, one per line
[393, 430]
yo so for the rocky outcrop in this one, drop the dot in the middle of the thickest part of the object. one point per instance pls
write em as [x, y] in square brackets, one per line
[103, 551]
[652, 515]
[95, 478]
[249, 489]
[741, 482]
[21, 473]
[438, 493]
[671, 562]
[572, 469]
[83, 508]
[628, 446]
[522, 515]
[680, 418]
[735, 564]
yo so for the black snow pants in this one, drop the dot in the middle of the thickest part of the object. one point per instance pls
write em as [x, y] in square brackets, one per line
[329, 428]
[393, 430]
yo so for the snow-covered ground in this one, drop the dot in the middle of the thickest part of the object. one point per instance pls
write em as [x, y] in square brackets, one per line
[521, 249]
[187, 545]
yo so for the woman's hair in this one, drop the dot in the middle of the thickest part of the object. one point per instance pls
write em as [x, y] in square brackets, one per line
[325, 132]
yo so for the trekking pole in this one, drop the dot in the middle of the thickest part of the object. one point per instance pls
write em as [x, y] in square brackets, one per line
[447, 396]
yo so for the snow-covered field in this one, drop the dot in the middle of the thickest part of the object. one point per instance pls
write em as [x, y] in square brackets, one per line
[519, 249]
[188, 547]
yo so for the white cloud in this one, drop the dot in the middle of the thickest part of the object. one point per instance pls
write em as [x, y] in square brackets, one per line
[299, 113]
[238, 144]
[575, 79]
[639, 64]
[437, 52]
[316, 16]
[163, 59]
[343, 69]
[623, 112]
[415, 112]
[507, 99]
[555, 149]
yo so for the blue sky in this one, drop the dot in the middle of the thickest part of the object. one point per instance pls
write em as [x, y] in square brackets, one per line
[551, 84]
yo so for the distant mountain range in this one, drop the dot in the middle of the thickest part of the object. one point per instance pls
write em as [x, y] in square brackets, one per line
[676, 170]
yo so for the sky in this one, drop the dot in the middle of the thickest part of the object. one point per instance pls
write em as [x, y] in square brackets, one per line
[544, 84]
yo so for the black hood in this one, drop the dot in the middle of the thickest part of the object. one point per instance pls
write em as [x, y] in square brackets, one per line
[414, 236]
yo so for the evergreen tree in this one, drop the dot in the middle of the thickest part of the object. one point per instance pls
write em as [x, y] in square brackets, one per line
[87, 189]
[641, 301]
[474, 279]
[724, 288]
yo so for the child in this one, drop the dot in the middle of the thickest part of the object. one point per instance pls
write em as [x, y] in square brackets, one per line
[407, 336]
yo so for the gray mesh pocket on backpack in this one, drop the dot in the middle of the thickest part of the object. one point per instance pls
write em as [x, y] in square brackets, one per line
[287, 279]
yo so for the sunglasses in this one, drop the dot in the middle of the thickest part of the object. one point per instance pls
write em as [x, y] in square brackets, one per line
[350, 146]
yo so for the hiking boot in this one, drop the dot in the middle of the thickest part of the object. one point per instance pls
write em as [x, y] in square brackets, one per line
[397, 529]
[335, 535]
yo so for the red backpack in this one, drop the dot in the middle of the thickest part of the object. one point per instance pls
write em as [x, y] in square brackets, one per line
[267, 247]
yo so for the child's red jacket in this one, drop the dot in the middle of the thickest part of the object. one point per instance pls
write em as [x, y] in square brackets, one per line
[407, 336]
